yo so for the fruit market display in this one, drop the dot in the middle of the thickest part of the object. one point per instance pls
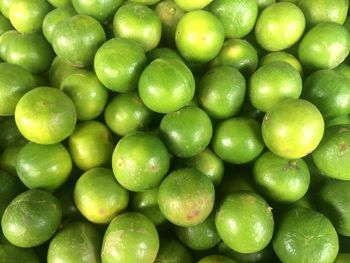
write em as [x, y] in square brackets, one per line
[174, 131]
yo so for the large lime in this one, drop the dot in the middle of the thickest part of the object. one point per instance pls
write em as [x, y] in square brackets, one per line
[101, 10]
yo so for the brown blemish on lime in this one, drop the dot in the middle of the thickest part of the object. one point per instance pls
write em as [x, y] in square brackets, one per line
[102, 211]
[192, 215]
[342, 130]
[343, 148]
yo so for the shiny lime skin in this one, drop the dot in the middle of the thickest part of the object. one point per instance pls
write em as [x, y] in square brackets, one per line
[27, 16]
[192, 5]
[5, 24]
[146, 203]
[6, 39]
[202, 236]
[163, 52]
[43, 166]
[5, 6]
[334, 202]
[11, 187]
[77, 38]
[91, 145]
[87, 93]
[293, 128]
[166, 85]
[281, 56]
[118, 64]
[199, 36]
[273, 83]
[216, 259]
[169, 14]
[329, 91]
[59, 70]
[130, 237]
[8, 156]
[332, 156]
[317, 11]
[14, 83]
[172, 251]
[53, 18]
[9, 132]
[101, 10]
[209, 164]
[45, 115]
[126, 113]
[343, 69]
[75, 242]
[140, 23]
[237, 17]
[237, 140]
[146, 2]
[140, 161]
[245, 222]
[237, 53]
[305, 236]
[279, 26]
[221, 92]
[60, 3]
[13, 254]
[20, 220]
[324, 46]
[342, 258]
[187, 131]
[281, 179]
[262, 4]
[186, 197]
[100, 207]
[30, 51]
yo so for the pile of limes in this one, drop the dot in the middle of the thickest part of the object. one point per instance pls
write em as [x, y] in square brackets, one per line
[174, 131]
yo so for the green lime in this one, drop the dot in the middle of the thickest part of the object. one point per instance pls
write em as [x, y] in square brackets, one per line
[281, 179]
[9, 132]
[146, 203]
[279, 26]
[91, 145]
[209, 164]
[27, 16]
[192, 5]
[293, 128]
[305, 236]
[59, 70]
[140, 23]
[317, 11]
[262, 4]
[5, 6]
[77, 38]
[324, 46]
[237, 140]
[202, 236]
[53, 18]
[216, 259]
[45, 115]
[102, 10]
[140, 161]
[237, 17]
[237, 53]
[87, 93]
[11, 187]
[342, 258]
[13, 254]
[130, 237]
[43, 166]
[343, 69]
[332, 155]
[14, 83]
[100, 207]
[172, 251]
[186, 197]
[163, 52]
[334, 202]
[338, 120]
[118, 64]
[8, 157]
[75, 242]
[245, 222]
[282, 56]
[329, 91]
[5, 24]
[126, 113]
[273, 83]
[58, 3]
[6, 40]
[166, 85]
[20, 220]
[199, 36]
[221, 92]
[30, 51]
[146, 2]
[169, 14]
[187, 131]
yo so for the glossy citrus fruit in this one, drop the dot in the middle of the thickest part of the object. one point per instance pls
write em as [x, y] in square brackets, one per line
[282, 56]
[9, 132]
[59, 70]
[216, 259]
[12, 186]
[171, 250]
[101, 10]
[192, 5]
